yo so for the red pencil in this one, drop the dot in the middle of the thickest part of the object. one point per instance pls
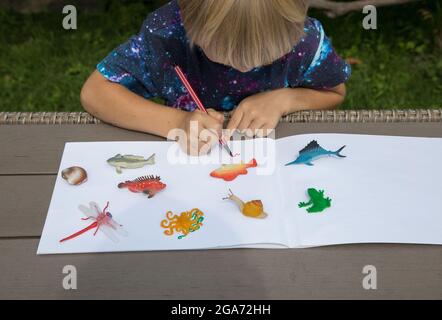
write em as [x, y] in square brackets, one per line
[198, 102]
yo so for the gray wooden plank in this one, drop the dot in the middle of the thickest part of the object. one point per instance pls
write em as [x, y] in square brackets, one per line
[37, 149]
[24, 204]
[404, 272]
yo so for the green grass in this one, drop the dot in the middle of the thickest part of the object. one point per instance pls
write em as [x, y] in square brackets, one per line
[42, 66]
[401, 65]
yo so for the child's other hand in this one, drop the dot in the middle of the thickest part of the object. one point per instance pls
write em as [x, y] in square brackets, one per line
[258, 114]
[203, 131]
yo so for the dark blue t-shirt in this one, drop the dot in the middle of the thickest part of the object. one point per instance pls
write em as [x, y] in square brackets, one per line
[145, 65]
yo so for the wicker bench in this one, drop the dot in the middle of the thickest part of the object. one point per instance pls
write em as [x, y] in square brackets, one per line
[31, 145]
[360, 116]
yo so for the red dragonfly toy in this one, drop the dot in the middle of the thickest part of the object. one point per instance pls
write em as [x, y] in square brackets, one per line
[103, 222]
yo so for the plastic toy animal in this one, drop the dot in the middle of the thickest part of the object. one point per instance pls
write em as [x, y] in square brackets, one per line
[251, 209]
[149, 185]
[318, 202]
[230, 172]
[103, 222]
[130, 162]
[187, 222]
[313, 151]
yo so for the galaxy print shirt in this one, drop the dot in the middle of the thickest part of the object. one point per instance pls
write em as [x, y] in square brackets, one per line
[145, 65]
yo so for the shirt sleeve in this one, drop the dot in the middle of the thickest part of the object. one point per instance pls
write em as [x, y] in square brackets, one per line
[327, 69]
[129, 65]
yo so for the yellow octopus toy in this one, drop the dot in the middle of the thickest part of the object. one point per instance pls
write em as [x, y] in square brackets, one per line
[187, 222]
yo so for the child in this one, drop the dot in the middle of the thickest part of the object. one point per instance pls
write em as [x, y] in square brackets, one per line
[260, 59]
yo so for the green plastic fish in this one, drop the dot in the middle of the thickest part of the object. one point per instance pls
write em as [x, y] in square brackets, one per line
[130, 162]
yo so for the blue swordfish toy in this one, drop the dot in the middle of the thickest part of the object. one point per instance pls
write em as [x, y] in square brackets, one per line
[314, 152]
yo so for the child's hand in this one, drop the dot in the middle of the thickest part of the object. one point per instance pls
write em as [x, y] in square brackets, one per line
[259, 113]
[203, 131]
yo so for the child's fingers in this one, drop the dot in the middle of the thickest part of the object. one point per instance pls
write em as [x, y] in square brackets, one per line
[256, 128]
[245, 123]
[209, 136]
[203, 121]
[196, 147]
[235, 121]
[190, 145]
[213, 125]
[217, 115]
[206, 140]
[264, 131]
[203, 136]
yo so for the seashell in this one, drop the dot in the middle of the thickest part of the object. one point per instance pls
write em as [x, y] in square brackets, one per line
[74, 175]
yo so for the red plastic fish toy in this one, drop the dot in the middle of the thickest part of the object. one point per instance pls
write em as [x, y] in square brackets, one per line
[230, 172]
[149, 185]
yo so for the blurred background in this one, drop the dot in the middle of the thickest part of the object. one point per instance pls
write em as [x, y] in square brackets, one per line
[43, 66]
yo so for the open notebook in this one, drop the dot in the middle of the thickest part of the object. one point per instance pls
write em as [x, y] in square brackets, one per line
[386, 190]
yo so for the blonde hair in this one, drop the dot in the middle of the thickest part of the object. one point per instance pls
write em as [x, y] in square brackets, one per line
[244, 34]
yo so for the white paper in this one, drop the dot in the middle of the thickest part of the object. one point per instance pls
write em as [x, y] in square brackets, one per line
[189, 186]
[387, 190]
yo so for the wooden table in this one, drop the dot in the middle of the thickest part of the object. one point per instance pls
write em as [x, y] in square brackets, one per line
[29, 159]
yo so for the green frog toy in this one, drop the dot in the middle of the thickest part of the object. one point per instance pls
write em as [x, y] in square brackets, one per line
[318, 202]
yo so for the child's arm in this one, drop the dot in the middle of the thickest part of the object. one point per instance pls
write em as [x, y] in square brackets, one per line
[264, 110]
[117, 105]
[298, 99]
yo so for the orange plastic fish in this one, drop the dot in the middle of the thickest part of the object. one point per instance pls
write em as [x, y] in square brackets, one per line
[230, 172]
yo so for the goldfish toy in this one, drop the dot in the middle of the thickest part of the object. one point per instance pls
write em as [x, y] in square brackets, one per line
[149, 185]
[251, 209]
[230, 172]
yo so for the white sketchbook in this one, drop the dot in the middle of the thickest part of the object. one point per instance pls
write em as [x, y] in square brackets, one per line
[386, 190]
